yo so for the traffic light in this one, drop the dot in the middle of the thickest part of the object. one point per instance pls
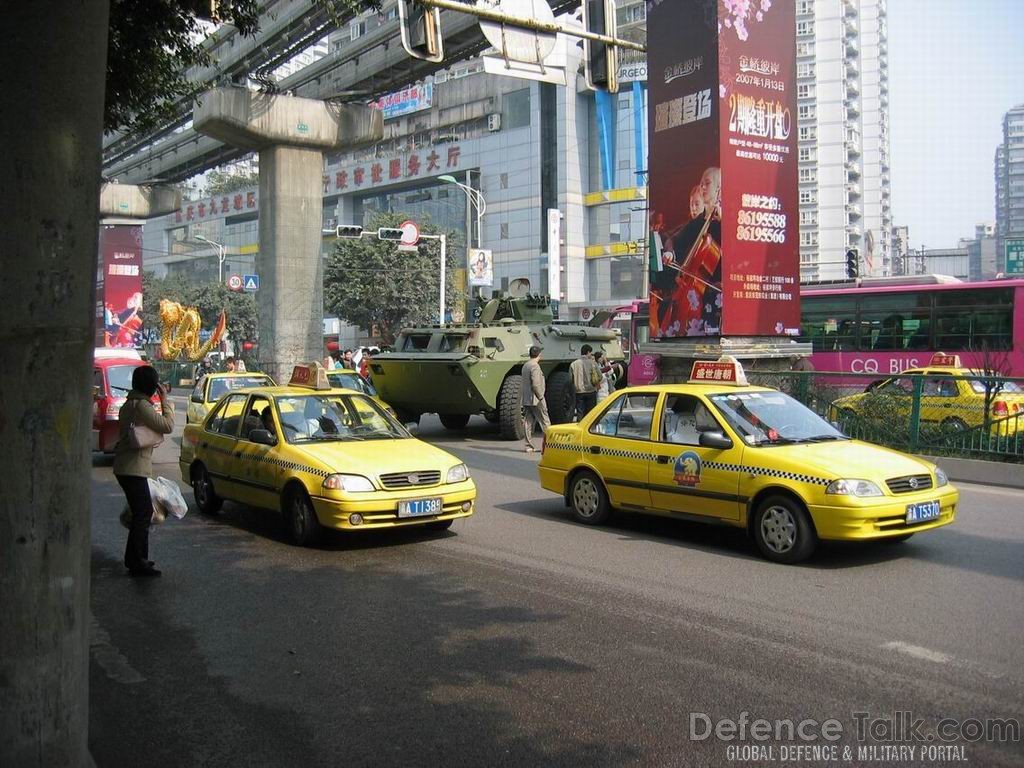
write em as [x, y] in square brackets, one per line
[601, 61]
[421, 31]
[852, 263]
[349, 230]
[390, 233]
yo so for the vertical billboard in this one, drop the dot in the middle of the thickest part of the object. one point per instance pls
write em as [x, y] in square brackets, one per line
[119, 287]
[723, 168]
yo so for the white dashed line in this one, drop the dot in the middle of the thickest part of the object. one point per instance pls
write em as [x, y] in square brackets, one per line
[918, 652]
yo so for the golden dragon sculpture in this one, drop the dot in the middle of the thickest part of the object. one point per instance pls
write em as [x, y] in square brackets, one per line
[179, 331]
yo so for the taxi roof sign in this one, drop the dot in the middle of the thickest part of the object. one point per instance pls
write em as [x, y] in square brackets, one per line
[312, 376]
[941, 359]
[724, 370]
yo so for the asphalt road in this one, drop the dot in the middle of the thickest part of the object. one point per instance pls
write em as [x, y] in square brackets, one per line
[521, 638]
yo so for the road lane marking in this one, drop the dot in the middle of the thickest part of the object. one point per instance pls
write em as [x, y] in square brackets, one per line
[918, 652]
[109, 657]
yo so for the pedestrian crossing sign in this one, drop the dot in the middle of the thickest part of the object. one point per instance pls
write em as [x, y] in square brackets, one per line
[250, 283]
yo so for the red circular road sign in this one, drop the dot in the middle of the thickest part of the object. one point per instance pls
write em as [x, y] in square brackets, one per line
[235, 283]
[410, 232]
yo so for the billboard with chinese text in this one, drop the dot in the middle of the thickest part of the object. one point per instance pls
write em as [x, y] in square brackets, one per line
[723, 168]
[119, 287]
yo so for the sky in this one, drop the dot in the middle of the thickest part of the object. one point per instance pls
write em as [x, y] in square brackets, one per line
[955, 68]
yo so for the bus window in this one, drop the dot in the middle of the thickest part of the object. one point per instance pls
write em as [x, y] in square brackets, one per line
[887, 322]
[828, 322]
[974, 318]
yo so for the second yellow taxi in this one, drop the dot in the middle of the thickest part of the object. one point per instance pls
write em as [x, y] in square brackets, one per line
[324, 457]
[718, 450]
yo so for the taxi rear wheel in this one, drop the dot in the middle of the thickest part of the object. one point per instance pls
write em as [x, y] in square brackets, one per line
[207, 500]
[955, 425]
[588, 499]
[783, 531]
[301, 523]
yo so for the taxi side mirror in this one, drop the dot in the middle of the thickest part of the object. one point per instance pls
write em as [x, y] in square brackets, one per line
[196, 398]
[714, 439]
[262, 436]
[96, 392]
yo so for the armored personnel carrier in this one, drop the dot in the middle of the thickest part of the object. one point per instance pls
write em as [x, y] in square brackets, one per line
[460, 369]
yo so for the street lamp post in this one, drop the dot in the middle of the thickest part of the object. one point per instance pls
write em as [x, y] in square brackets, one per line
[220, 255]
[476, 198]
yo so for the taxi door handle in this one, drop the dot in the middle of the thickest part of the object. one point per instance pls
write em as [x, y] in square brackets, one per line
[595, 449]
[664, 459]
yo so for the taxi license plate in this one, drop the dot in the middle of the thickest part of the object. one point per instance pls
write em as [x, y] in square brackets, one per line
[419, 507]
[922, 512]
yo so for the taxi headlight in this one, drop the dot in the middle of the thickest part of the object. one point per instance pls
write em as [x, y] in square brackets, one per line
[853, 488]
[940, 478]
[350, 483]
[458, 474]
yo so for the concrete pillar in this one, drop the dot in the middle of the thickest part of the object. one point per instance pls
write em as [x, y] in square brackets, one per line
[290, 299]
[291, 135]
[52, 80]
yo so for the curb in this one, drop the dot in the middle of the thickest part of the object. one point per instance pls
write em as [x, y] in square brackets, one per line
[981, 472]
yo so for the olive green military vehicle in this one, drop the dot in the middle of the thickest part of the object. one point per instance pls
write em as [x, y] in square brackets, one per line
[461, 369]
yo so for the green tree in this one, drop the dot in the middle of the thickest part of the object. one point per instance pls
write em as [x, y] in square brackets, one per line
[371, 284]
[222, 183]
[152, 44]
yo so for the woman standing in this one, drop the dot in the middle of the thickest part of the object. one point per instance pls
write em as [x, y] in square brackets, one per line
[133, 466]
[610, 375]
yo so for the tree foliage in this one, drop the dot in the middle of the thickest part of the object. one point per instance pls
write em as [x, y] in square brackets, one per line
[223, 183]
[371, 284]
[153, 43]
[209, 299]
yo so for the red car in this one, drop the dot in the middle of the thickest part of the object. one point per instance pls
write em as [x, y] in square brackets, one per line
[112, 380]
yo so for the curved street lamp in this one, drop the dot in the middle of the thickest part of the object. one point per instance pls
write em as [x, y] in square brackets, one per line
[220, 255]
[476, 197]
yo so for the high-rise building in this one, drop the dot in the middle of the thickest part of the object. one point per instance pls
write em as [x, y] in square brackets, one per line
[1009, 173]
[843, 131]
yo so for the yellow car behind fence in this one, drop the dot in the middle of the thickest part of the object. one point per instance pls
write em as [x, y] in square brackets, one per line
[324, 457]
[947, 399]
[717, 450]
[213, 386]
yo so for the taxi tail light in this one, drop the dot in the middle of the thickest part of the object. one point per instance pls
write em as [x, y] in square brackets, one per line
[1000, 410]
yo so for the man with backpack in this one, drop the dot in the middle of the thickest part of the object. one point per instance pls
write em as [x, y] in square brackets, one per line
[586, 378]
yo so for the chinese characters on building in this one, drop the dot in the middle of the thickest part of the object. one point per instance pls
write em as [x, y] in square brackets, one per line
[683, 110]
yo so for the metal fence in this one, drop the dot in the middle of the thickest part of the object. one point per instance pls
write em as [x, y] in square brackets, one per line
[980, 417]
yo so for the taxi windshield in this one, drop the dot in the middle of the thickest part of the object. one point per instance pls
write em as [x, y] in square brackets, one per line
[351, 381]
[335, 418]
[120, 379]
[219, 386]
[773, 418]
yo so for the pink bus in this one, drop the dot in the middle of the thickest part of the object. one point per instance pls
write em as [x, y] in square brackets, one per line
[884, 328]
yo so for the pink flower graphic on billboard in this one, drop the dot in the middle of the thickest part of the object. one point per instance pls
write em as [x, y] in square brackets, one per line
[740, 12]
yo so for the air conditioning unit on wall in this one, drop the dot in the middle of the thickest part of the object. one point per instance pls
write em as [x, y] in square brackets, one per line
[494, 122]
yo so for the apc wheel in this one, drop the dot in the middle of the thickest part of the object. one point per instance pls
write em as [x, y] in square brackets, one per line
[561, 397]
[588, 499]
[955, 425]
[207, 500]
[301, 524]
[439, 525]
[510, 408]
[492, 416]
[407, 417]
[783, 531]
[454, 420]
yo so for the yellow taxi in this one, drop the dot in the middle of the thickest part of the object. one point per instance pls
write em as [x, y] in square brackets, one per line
[213, 386]
[718, 450]
[951, 396]
[324, 457]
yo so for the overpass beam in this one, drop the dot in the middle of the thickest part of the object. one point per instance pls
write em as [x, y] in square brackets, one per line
[291, 135]
[138, 202]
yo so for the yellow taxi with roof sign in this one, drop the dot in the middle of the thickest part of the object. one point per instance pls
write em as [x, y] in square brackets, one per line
[718, 450]
[325, 457]
[952, 396]
[213, 386]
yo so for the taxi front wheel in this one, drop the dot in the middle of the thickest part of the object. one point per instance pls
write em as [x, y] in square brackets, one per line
[783, 531]
[588, 499]
[300, 519]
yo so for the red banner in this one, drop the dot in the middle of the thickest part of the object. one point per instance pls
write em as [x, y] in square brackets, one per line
[119, 287]
[723, 168]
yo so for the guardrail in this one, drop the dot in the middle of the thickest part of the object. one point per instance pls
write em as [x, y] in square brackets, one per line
[970, 416]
